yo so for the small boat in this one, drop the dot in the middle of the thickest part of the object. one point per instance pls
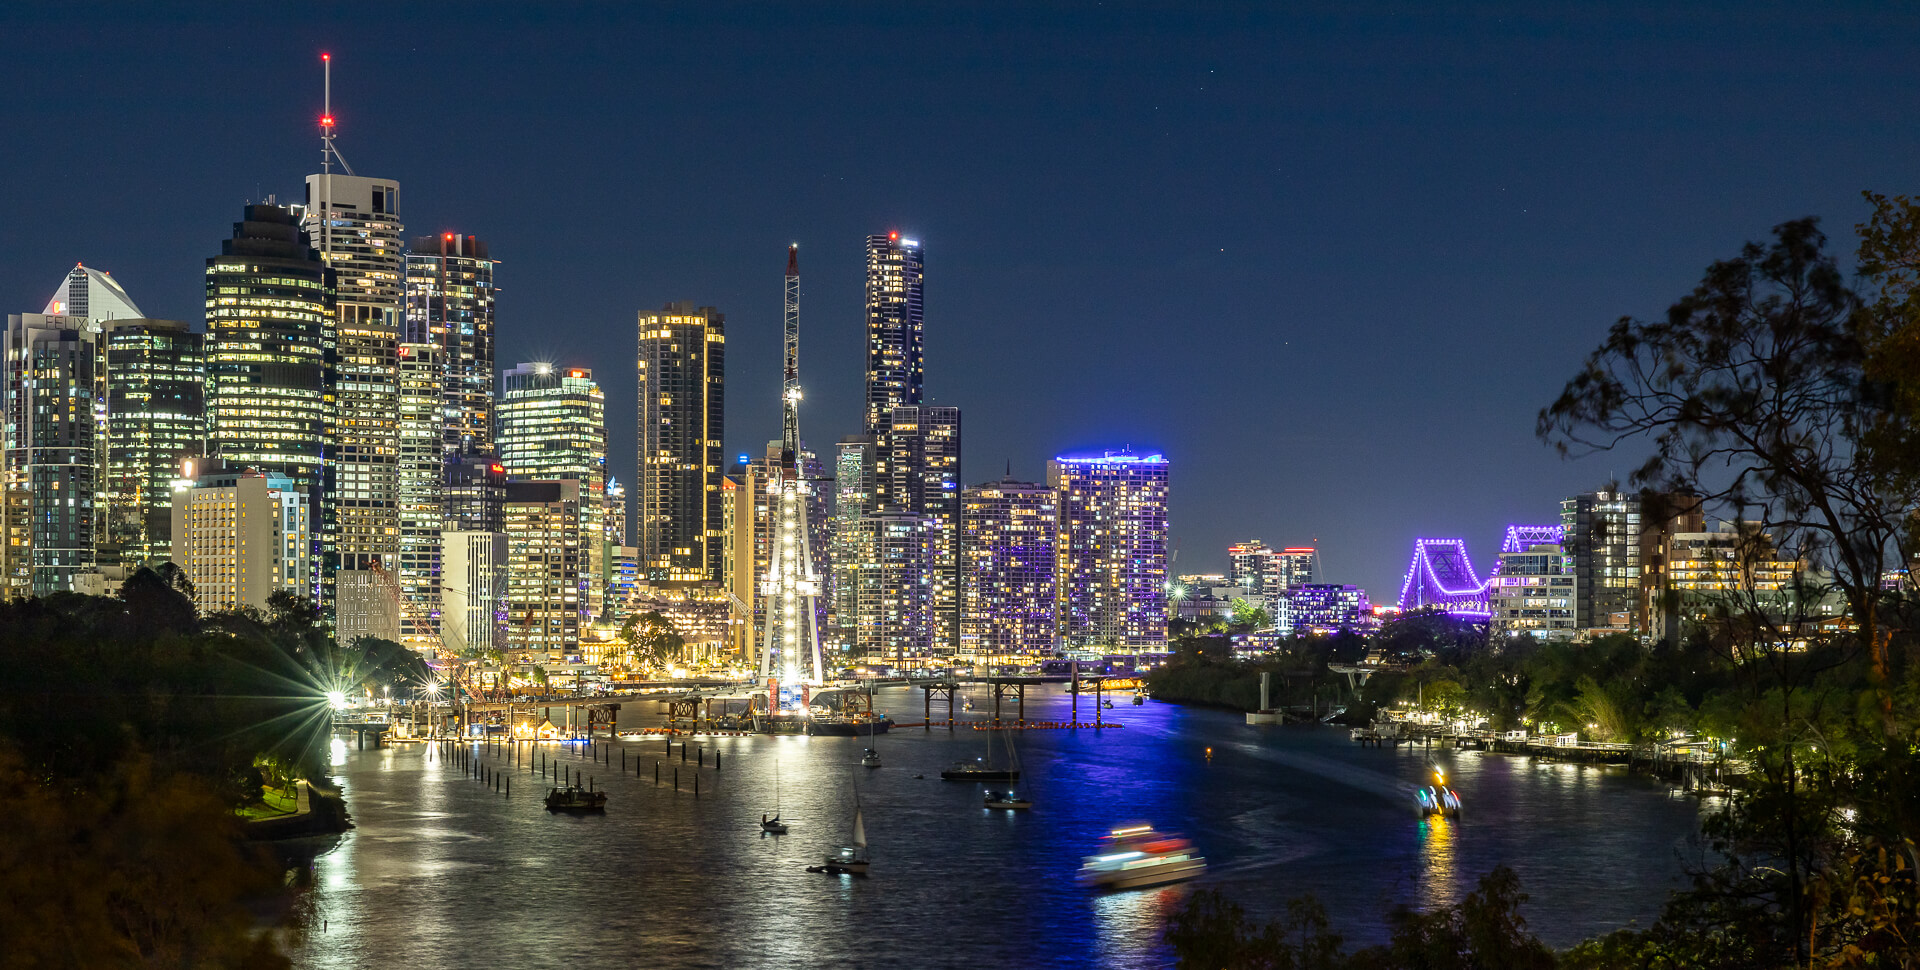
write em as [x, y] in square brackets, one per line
[1139, 699]
[1006, 799]
[573, 798]
[983, 769]
[850, 859]
[1137, 856]
[772, 825]
[871, 759]
[1437, 798]
[978, 770]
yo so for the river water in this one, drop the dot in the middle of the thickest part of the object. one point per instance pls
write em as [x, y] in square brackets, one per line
[442, 872]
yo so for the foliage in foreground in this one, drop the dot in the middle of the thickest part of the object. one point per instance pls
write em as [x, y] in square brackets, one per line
[137, 871]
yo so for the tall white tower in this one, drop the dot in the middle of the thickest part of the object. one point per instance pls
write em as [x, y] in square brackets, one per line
[790, 647]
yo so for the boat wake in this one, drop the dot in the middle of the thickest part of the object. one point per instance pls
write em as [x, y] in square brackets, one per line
[1373, 782]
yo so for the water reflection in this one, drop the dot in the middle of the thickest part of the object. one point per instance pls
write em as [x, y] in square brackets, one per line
[441, 867]
[1439, 878]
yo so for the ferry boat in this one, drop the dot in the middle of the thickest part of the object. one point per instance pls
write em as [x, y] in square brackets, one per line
[1137, 856]
[1437, 798]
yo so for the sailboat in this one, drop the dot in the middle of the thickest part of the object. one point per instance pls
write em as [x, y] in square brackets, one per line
[772, 825]
[872, 758]
[851, 859]
[979, 770]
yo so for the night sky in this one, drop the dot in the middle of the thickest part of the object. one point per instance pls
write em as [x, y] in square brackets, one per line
[1330, 261]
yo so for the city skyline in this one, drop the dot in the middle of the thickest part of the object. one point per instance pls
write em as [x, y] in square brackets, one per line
[1128, 266]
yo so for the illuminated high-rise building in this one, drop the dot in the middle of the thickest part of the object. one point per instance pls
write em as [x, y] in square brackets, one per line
[917, 471]
[241, 536]
[450, 303]
[1297, 566]
[269, 334]
[893, 620]
[1009, 534]
[682, 457]
[548, 576]
[1112, 549]
[853, 486]
[895, 275]
[751, 526]
[420, 474]
[552, 426]
[473, 554]
[93, 294]
[156, 416]
[354, 223]
[55, 403]
[1251, 566]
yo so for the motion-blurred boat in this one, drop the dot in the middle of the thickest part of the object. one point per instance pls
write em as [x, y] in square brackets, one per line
[1136, 856]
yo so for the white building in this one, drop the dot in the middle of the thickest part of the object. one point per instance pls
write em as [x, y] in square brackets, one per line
[240, 536]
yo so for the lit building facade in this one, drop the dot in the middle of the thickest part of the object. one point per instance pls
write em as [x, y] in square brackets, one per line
[93, 294]
[1736, 567]
[1531, 591]
[1112, 549]
[55, 439]
[1297, 566]
[1251, 565]
[450, 303]
[269, 334]
[917, 471]
[156, 418]
[1009, 531]
[892, 588]
[896, 276]
[853, 497]
[553, 425]
[1323, 608]
[421, 475]
[682, 458]
[473, 591]
[1615, 539]
[241, 536]
[354, 224]
[548, 577]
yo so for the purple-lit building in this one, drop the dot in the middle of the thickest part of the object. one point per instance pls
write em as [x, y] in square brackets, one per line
[1008, 535]
[1112, 550]
[1442, 577]
[1324, 608]
[1531, 591]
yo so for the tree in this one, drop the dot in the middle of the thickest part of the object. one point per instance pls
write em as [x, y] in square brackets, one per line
[1758, 393]
[651, 640]
[1754, 395]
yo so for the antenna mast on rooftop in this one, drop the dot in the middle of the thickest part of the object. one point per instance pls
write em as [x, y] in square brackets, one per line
[329, 152]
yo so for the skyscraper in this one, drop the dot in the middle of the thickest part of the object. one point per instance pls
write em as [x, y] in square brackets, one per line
[553, 426]
[548, 577]
[420, 476]
[450, 303]
[156, 416]
[1009, 533]
[269, 324]
[55, 397]
[894, 621]
[241, 536]
[917, 471]
[354, 223]
[682, 385]
[93, 294]
[1112, 549]
[853, 485]
[894, 329]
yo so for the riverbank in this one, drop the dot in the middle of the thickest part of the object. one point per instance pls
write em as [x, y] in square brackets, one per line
[318, 810]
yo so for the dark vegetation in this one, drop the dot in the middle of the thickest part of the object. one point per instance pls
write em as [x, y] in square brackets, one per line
[1783, 399]
[131, 729]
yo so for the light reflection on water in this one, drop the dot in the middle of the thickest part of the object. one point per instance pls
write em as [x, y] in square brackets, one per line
[442, 872]
[1438, 877]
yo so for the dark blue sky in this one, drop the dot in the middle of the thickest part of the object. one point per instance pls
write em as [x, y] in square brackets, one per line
[1330, 260]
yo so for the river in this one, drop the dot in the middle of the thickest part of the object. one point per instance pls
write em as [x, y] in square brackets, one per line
[442, 872]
